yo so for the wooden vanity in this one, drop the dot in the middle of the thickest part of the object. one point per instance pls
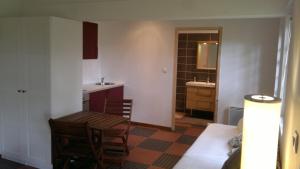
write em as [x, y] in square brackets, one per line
[200, 97]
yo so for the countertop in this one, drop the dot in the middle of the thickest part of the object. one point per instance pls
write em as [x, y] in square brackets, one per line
[90, 88]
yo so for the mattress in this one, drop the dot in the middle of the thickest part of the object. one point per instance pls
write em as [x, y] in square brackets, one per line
[210, 149]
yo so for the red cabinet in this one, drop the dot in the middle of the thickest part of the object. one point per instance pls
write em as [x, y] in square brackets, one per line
[97, 99]
[115, 93]
[90, 40]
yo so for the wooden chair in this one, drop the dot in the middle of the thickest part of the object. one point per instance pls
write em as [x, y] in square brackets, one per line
[73, 142]
[116, 139]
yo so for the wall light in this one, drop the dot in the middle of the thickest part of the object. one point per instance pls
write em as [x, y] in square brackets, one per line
[260, 132]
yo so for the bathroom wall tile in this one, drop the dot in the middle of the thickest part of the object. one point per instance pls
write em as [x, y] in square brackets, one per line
[182, 52]
[181, 67]
[182, 36]
[182, 44]
[201, 76]
[214, 37]
[186, 65]
[180, 89]
[190, 75]
[212, 77]
[180, 102]
[191, 60]
[191, 52]
[198, 37]
[180, 82]
[192, 44]
[180, 75]
[191, 68]
[212, 71]
[202, 71]
[180, 96]
[181, 60]
[180, 107]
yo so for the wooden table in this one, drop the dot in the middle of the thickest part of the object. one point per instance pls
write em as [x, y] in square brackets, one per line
[96, 120]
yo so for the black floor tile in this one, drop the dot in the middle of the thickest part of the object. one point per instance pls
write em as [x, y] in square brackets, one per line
[142, 131]
[166, 161]
[154, 144]
[180, 129]
[186, 139]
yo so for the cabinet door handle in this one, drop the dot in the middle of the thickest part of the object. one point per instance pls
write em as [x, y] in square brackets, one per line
[21, 91]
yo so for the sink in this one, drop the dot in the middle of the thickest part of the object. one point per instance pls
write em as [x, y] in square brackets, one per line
[201, 84]
[105, 83]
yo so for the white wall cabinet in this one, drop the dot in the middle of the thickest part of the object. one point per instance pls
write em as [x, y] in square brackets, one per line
[40, 78]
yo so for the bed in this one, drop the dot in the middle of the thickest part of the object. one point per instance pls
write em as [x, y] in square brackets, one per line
[210, 149]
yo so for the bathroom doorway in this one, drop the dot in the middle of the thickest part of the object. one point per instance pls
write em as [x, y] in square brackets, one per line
[196, 81]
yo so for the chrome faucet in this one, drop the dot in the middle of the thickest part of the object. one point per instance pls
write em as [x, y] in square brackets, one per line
[102, 81]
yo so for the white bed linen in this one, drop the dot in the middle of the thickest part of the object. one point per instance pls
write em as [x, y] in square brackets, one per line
[210, 149]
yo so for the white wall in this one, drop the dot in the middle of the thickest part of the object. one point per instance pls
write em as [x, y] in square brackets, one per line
[66, 66]
[10, 7]
[91, 72]
[136, 53]
[155, 9]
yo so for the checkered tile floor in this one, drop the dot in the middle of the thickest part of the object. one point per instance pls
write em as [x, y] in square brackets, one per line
[150, 148]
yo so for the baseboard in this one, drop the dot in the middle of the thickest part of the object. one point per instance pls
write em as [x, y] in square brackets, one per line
[152, 125]
[14, 157]
[39, 163]
[31, 161]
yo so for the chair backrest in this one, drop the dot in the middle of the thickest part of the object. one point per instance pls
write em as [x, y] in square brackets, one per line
[121, 107]
[67, 134]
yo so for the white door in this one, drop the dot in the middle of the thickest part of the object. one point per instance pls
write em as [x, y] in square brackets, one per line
[35, 48]
[12, 115]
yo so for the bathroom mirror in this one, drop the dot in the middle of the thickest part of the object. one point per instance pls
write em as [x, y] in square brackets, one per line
[207, 54]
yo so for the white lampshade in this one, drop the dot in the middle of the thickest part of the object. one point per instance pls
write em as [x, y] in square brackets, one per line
[260, 132]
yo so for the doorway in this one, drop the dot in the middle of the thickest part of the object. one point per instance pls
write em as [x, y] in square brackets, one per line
[196, 82]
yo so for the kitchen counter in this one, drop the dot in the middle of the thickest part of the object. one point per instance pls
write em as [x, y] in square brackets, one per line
[90, 88]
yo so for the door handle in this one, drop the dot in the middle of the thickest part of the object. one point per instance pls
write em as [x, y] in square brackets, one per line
[21, 91]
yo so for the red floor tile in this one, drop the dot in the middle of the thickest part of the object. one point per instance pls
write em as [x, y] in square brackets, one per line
[143, 156]
[166, 136]
[194, 131]
[121, 126]
[177, 149]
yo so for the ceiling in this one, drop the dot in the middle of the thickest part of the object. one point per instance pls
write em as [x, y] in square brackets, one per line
[153, 9]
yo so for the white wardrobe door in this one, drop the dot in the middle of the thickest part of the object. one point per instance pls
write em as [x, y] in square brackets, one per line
[35, 47]
[12, 126]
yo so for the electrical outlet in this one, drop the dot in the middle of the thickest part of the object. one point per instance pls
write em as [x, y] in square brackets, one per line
[295, 141]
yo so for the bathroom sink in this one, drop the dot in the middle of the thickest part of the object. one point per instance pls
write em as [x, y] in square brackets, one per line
[105, 83]
[201, 84]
